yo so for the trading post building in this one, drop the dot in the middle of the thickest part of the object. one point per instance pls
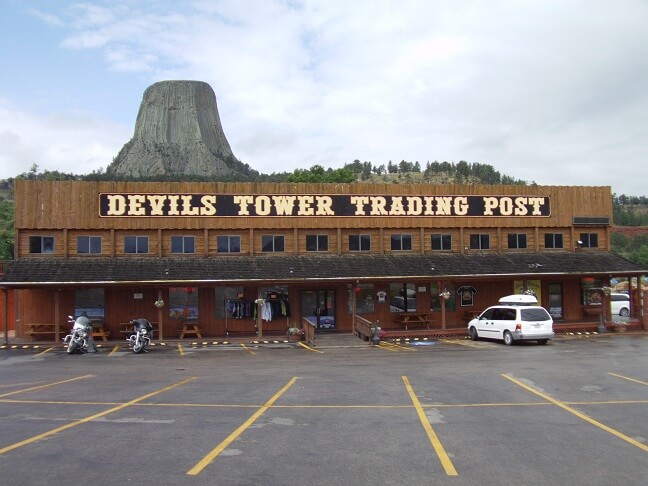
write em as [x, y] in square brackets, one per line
[248, 258]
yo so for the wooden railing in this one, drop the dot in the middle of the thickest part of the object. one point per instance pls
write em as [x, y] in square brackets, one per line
[309, 331]
[363, 328]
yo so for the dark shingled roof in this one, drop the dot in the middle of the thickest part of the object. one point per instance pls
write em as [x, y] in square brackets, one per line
[31, 272]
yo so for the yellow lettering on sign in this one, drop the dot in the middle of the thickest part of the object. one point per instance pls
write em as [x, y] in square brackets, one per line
[306, 206]
[490, 203]
[262, 205]
[414, 206]
[136, 205]
[324, 206]
[243, 203]
[187, 208]
[157, 204]
[397, 208]
[378, 204]
[461, 206]
[284, 205]
[208, 203]
[116, 205]
[360, 203]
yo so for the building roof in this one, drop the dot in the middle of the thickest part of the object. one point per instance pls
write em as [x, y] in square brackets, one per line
[37, 272]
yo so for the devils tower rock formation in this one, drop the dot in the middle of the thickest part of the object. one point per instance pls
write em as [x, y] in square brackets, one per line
[178, 132]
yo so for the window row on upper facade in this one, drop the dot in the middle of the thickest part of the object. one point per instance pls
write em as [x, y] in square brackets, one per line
[337, 241]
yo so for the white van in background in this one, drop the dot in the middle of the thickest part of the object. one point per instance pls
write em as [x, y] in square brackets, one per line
[620, 304]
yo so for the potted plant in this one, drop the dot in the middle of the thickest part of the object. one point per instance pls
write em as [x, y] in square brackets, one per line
[294, 333]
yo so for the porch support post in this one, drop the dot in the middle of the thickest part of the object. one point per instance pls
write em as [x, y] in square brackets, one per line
[5, 316]
[57, 322]
[160, 316]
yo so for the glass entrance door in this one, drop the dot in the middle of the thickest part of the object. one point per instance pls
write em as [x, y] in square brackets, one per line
[318, 306]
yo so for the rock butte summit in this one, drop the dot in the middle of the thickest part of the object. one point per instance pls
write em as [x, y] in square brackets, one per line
[178, 131]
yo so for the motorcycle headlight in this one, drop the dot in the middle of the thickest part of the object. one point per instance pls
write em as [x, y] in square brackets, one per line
[144, 331]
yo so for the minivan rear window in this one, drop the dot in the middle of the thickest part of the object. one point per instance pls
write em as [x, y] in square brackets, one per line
[535, 314]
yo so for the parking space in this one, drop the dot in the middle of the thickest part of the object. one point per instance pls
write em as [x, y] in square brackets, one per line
[569, 412]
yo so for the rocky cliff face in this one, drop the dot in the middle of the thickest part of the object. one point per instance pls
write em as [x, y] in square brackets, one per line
[178, 131]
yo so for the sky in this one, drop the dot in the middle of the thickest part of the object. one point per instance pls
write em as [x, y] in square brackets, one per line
[550, 91]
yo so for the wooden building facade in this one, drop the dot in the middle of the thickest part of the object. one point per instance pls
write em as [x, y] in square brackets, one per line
[233, 257]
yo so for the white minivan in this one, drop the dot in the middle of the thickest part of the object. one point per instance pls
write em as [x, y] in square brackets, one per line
[516, 318]
[620, 304]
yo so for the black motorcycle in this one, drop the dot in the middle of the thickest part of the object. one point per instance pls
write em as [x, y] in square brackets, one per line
[141, 335]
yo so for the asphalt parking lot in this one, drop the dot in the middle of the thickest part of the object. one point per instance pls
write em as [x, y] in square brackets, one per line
[438, 412]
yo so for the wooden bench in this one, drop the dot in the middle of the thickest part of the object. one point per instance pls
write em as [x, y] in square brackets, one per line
[36, 329]
[99, 332]
[190, 328]
[420, 320]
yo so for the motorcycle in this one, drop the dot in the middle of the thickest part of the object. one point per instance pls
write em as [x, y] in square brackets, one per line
[141, 335]
[80, 337]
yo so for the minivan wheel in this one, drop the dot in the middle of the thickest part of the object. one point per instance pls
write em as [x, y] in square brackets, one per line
[624, 312]
[542, 341]
[473, 334]
[508, 338]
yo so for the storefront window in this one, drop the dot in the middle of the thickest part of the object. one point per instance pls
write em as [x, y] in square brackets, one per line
[183, 303]
[365, 298]
[91, 302]
[225, 295]
[402, 297]
[532, 286]
[587, 297]
[435, 300]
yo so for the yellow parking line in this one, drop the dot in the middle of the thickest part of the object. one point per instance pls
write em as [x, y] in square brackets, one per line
[113, 350]
[434, 439]
[45, 351]
[309, 348]
[204, 462]
[396, 348]
[629, 379]
[91, 417]
[581, 415]
[180, 349]
[45, 386]
[247, 349]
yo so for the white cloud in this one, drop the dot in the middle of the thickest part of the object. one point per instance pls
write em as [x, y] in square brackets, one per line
[75, 142]
[542, 90]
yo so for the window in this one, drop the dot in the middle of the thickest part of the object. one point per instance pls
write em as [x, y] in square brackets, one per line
[589, 294]
[589, 240]
[553, 240]
[316, 242]
[88, 244]
[135, 244]
[441, 242]
[359, 242]
[402, 297]
[435, 298]
[479, 242]
[364, 298]
[183, 303]
[41, 244]
[91, 302]
[401, 242]
[183, 244]
[272, 243]
[228, 244]
[517, 241]
[227, 295]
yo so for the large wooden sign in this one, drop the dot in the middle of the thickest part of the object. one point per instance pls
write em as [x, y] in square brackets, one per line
[282, 205]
